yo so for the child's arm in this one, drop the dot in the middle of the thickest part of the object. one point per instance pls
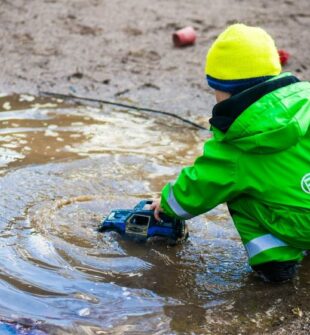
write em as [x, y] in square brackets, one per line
[210, 181]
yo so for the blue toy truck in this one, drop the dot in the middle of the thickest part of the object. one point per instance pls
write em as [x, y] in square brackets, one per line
[141, 223]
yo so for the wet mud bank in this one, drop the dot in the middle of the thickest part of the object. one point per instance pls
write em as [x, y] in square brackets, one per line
[112, 49]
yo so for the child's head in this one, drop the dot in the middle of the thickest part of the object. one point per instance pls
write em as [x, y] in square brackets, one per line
[241, 57]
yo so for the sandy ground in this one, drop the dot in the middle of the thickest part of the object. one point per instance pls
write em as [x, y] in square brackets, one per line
[122, 50]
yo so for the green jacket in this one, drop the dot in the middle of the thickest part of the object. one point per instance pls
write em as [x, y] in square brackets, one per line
[259, 155]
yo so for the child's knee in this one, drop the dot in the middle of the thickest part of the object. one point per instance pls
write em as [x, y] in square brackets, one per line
[276, 272]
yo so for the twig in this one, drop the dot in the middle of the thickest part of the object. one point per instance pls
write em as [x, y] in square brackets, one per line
[113, 103]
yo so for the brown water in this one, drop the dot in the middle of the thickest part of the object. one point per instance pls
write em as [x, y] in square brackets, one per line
[62, 168]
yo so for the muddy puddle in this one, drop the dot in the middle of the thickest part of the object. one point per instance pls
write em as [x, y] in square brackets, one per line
[62, 168]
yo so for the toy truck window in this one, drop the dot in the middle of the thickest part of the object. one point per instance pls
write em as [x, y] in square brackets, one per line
[140, 220]
[117, 215]
[111, 216]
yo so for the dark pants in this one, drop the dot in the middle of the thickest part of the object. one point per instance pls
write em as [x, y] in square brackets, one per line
[276, 272]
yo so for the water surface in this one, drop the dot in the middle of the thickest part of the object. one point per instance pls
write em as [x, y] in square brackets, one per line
[62, 169]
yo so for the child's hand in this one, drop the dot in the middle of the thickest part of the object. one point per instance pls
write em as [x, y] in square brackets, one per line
[157, 209]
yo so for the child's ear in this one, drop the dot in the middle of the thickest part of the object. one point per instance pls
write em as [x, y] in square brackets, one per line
[221, 95]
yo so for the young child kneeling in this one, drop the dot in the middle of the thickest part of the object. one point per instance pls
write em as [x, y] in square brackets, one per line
[258, 160]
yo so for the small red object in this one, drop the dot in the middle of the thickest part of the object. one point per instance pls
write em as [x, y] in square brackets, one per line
[284, 56]
[185, 36]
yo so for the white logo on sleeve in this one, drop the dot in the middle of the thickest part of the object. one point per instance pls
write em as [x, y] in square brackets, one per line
[305, 183]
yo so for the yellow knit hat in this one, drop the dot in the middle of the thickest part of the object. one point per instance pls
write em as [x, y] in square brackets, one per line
[242, 52]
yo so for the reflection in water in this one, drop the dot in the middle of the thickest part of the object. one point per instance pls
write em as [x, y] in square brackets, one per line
[63, 168]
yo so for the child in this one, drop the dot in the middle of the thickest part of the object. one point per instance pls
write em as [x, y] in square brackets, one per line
[258, 160]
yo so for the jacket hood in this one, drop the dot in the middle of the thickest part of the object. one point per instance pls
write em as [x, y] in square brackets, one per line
[269, 117]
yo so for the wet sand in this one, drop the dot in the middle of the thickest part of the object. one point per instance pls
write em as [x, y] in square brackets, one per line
[123, 50]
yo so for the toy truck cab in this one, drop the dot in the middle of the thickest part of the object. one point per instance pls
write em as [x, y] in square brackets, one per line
[138, 224]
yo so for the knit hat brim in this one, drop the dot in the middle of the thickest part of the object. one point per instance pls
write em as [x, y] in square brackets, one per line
[235, 86]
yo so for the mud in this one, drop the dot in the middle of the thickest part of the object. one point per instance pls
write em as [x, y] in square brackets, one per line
[112, 49]
[64, 166]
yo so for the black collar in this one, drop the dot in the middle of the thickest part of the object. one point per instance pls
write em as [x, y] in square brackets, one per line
[225, 113]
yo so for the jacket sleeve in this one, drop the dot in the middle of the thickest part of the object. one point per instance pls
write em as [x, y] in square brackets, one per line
[204, 185]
